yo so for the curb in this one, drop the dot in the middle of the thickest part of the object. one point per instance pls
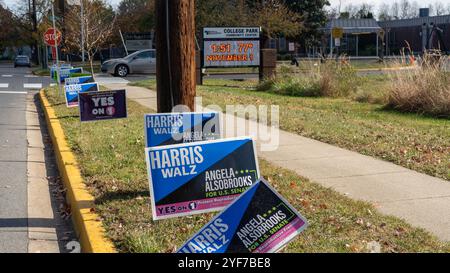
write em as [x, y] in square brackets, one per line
[86, 222]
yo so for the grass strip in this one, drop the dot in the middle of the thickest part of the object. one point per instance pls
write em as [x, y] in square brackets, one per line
[413, 141]
[111, 155]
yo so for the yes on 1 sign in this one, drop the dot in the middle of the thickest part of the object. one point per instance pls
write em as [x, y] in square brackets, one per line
[259, 221]
[200, 177]
[103, 105]
[176, 128]
[72, 91]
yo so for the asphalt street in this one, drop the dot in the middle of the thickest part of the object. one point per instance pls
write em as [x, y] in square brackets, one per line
[16, 84]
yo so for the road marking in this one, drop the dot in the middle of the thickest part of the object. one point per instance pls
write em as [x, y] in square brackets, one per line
[7, 76]
[13, 92]
[31, 76]
[32, 85]
[4, 85]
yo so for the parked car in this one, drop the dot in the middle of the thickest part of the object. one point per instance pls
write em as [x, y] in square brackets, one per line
[140, 62]
[22, 61]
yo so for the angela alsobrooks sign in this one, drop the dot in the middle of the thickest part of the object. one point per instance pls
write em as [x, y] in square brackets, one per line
[103, 105]
[259, 221]
[176, 128]
[200, 177]
[72, 92]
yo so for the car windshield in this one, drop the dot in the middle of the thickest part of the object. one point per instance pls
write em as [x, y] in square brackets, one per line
[23, 59]
[131, 56]
[141, 55]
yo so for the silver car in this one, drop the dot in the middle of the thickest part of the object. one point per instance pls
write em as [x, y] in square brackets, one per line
[141, 62]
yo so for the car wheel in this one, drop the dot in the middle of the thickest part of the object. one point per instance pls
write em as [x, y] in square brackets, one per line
[122, 70]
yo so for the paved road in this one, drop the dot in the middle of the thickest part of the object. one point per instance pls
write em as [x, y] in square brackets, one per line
[18, 134]
[20, 79]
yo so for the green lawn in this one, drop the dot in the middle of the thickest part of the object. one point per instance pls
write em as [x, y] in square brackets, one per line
[111, 155]
[416, 142]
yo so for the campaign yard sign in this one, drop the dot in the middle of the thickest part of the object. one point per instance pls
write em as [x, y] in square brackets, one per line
[72, 91]
[79, 80]
[259, 221]
[103, 105]
[198, 177]
[66, 73]
[54, 68]
[177, 128]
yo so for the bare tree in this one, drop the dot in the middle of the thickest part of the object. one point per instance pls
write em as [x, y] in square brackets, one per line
[98, 21]
[439, 8]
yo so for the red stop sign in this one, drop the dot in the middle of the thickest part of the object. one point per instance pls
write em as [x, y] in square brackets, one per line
[52, 37]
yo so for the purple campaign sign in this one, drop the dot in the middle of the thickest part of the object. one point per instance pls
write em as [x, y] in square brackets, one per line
[259, 221]
[103, 105]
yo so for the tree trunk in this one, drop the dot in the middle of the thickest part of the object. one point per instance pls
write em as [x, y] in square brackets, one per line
[175, 51]
[92, 65]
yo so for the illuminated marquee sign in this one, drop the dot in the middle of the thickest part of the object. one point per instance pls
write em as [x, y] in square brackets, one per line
[231, 47]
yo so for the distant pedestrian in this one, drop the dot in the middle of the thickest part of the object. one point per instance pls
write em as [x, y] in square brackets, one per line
[294, 61]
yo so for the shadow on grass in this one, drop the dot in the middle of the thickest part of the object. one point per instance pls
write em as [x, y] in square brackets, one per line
[120, 195]
[422, 115]
[70, 117]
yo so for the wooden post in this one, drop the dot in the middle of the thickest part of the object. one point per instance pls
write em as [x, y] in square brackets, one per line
[175, 54]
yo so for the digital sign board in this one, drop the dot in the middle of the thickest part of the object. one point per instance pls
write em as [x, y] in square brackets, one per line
[231, 47]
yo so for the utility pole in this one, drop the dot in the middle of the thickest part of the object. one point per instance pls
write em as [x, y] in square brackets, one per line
[175, 52]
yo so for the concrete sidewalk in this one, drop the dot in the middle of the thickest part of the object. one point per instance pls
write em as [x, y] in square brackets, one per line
[421, 200]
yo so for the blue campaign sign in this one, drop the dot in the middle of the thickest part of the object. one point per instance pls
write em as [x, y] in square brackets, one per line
[72, 92]
[176, 128]
[79, 80]
[259, 221]
[54, 68]
[198, 177]
[66, 73]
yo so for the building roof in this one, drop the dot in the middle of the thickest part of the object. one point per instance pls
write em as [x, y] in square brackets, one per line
[353, 26]
[438, 20]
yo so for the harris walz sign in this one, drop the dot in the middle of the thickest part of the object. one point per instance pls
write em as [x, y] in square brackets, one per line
[103, 105]
[177, 128]
[79, 80]
[187, 179]
[259, 221]
[72, 92]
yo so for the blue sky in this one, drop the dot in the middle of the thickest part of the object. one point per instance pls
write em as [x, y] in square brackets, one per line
[424, 3]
